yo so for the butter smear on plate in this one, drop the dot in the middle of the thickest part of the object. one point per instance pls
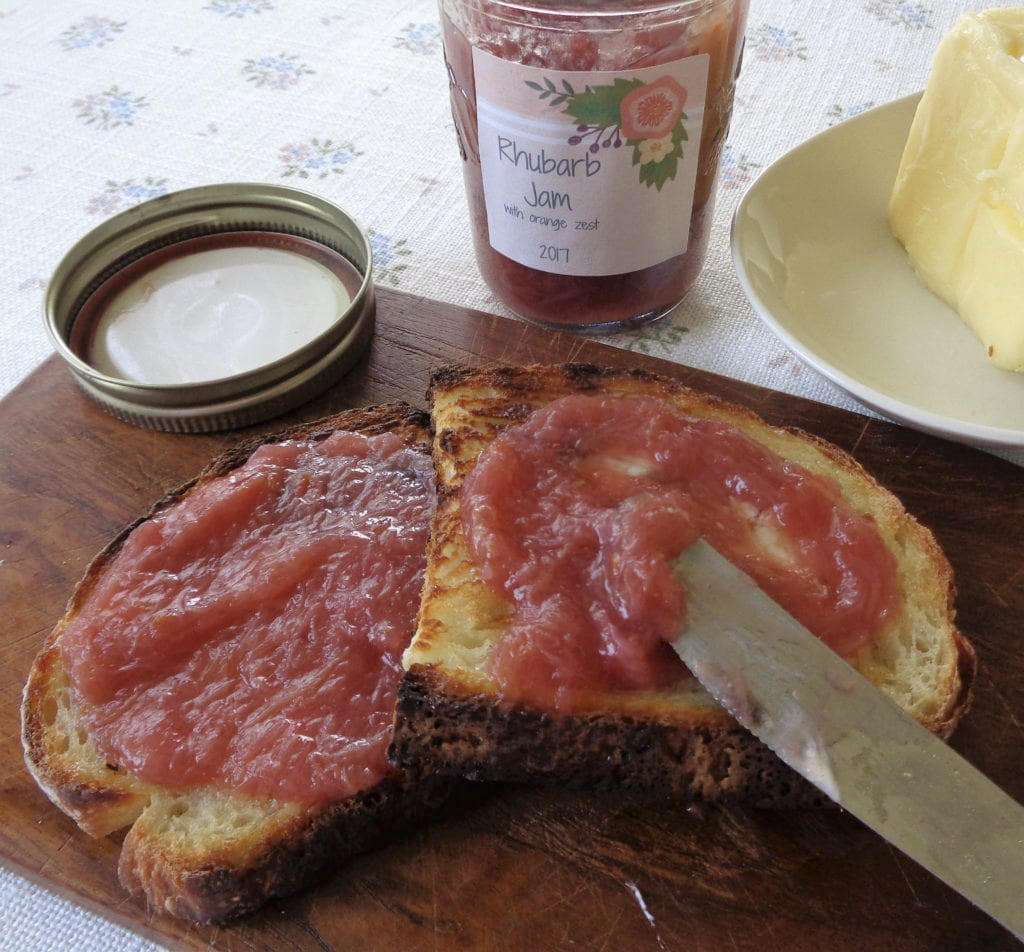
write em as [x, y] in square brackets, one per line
[958, 202]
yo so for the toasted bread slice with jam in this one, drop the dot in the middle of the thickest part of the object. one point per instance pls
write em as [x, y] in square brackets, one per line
[208, 854]
[675, 742]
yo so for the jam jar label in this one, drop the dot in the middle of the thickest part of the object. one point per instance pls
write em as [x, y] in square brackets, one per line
[589, 173]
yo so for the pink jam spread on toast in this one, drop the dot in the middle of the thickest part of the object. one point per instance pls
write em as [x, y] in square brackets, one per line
[250, 635]
[576, 514]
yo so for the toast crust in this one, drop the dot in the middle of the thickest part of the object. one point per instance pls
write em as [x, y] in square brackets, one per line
[639, 755]
[296, 848]
[202, 854]
[677, 742]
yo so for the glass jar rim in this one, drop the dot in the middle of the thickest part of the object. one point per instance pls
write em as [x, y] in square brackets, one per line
[597, 10]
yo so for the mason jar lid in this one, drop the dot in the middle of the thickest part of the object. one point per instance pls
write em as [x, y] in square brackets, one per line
[213, 307]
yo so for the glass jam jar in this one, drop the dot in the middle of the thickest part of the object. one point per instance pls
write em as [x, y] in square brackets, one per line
[591, 133]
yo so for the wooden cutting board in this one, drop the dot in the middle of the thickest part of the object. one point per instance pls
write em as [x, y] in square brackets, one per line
[506, 867]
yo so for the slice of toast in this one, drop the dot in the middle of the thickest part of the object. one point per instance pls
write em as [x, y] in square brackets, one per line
[209, 854]
[675, 742]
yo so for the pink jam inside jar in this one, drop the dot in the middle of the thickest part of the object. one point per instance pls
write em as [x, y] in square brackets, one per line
[591, 134]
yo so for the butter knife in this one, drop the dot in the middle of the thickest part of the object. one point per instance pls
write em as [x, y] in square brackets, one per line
[831, 725]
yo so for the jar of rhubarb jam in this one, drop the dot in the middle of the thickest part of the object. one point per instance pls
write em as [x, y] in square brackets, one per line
[591, 133]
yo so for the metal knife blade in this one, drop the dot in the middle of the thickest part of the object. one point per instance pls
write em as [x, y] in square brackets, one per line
[831, 725]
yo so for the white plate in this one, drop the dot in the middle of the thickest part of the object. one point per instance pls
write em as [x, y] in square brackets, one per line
[813, 252]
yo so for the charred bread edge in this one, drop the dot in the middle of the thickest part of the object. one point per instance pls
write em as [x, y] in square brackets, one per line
[481, 739]
[311, 840]
[464, 728]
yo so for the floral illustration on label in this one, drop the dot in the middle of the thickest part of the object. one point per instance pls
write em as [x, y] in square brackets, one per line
[648, 117]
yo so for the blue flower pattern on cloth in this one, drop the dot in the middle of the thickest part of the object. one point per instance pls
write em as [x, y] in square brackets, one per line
[238, 8]
[120, 195]
[842, 113]
[915, 16]
[737, 170]
[776, 44]
[659, 339]
[422, 38]
[317, 159]
[93, 32]
[110, 109]
[276, 72]
[387, 255]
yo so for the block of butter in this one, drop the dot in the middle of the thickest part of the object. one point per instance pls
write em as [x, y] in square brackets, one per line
[958, 202]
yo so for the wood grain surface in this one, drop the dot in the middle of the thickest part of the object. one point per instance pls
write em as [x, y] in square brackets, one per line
[507, 868]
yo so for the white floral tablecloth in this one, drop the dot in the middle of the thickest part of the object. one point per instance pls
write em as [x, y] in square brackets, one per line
[108, 102]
